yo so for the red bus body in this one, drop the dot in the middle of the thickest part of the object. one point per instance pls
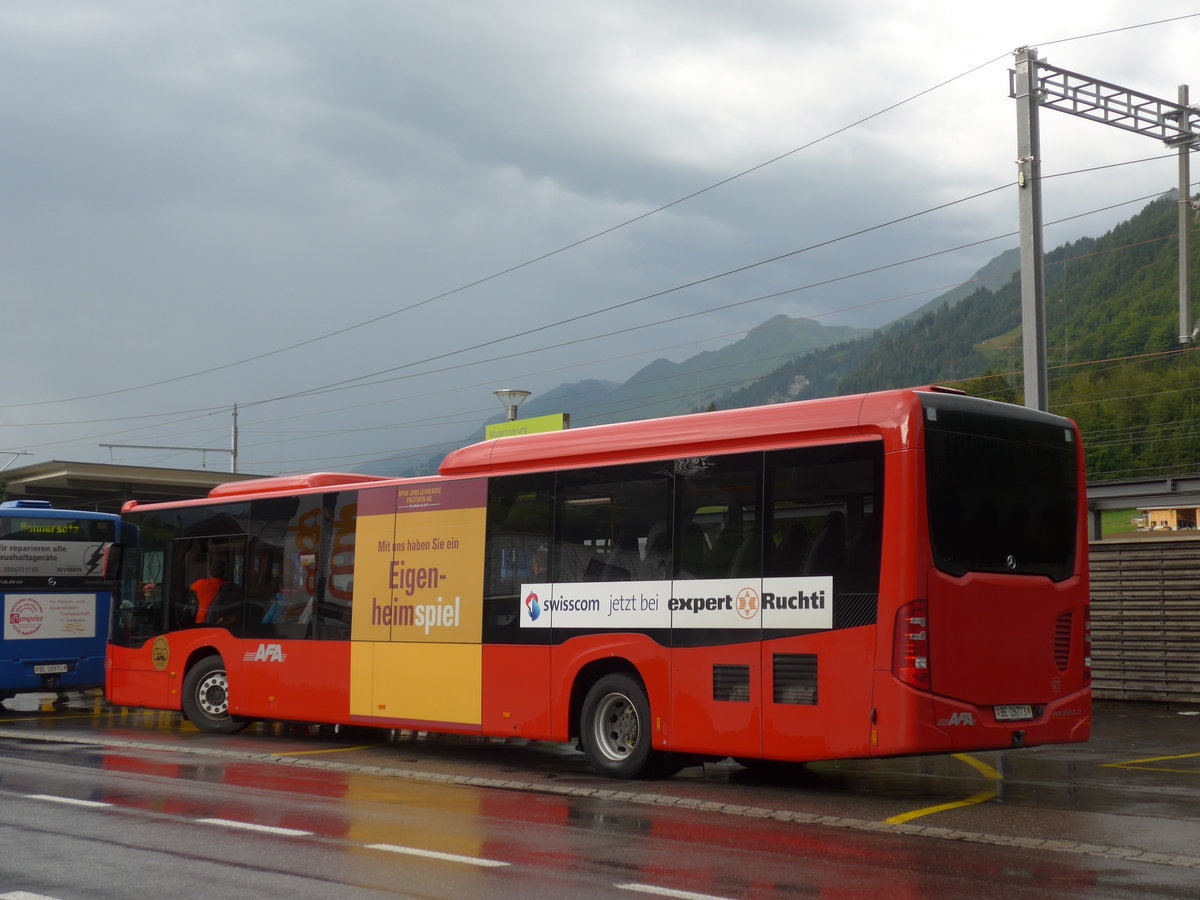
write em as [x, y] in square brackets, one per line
[942, 661]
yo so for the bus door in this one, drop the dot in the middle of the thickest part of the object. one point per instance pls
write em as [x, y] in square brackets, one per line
[716, 634]
[295, 612]
[820, 595]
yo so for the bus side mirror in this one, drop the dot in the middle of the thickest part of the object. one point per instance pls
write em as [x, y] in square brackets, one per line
[110, 567]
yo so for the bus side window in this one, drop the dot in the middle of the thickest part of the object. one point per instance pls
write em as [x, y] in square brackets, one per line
[520, 511]
[604, 522]
[281, 579]
[825, 514]
[206, 584]
[335, 568]
[719, 533]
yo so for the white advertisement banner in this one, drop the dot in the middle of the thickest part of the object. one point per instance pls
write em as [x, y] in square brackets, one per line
[40, 616]
[51, 559]
[788, 603]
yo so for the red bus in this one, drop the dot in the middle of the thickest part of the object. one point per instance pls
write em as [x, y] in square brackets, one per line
[893, 573]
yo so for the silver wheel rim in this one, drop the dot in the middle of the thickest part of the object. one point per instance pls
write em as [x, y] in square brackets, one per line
[212, 695]
[616, 726]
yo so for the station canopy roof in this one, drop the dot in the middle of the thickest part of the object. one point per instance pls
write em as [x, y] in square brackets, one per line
[105, 487]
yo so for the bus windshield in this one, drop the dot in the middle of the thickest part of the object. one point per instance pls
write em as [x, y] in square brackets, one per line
[1002, 488]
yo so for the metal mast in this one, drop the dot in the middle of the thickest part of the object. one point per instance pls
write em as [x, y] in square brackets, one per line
[1035, 83]
[1033, 275]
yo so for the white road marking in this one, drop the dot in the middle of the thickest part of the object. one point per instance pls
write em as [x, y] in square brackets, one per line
[433, 854]
[250, 826]
[70, 801]
[667, 892]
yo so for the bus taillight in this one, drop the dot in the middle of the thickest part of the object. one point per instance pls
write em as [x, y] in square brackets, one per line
[910, 648]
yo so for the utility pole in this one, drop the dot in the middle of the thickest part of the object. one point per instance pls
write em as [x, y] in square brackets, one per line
[1186, 330]
[1033, 274]
[1035, 83]
[234, 441]
[203, 451]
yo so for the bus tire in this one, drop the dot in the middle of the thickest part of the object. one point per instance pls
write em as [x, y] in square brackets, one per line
[206, 698]
[614, 727]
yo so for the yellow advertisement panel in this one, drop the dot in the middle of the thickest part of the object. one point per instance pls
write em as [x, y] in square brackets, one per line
[417, 611]
[372, 568]
[432, 684]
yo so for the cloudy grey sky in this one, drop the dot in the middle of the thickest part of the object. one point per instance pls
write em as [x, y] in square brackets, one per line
[356, 219]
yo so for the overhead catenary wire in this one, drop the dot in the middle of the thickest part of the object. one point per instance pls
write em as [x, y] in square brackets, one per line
[536, 259]
[654, 399]
[221, 410]
[355, 383]
[350, 383]
[603, 232]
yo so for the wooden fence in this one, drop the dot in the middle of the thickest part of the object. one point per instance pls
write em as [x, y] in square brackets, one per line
[1146, 619]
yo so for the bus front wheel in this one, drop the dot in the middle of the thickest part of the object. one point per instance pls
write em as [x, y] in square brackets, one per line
[206, 698]
[615, 727]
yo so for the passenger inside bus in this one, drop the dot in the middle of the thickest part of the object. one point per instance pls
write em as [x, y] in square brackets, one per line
[213, 597]
[829, 548]
[789, 557]
[206, 589]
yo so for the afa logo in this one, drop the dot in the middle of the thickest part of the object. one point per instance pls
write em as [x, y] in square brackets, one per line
[534, 606]
[265, 653]
[958, 718]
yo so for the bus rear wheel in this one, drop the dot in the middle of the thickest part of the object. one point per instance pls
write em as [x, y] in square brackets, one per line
[615, 727]
[206, 698]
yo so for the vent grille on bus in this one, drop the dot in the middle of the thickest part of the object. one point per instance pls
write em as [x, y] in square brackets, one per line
[795, 679]
[1062, 641]
[731, 683]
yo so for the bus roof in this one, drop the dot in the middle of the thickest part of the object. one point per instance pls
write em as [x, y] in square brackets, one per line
[43, 509]
[724, 431]
[289, 484]
[883, 413]
[282, 484]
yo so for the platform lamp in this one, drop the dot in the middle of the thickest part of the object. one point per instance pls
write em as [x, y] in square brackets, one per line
[510, 400]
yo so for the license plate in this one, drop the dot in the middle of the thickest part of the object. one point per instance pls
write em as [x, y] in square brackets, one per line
[52, 669]
[1014, 713]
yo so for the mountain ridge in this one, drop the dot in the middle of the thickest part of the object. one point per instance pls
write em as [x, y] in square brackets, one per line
[1110, 297]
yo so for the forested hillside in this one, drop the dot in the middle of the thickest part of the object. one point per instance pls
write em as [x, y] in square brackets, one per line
[1116, 366]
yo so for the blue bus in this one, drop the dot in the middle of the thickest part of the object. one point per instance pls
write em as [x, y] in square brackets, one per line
[56, 585]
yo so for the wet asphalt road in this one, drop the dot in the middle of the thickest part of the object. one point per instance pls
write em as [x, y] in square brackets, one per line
[1120, 814]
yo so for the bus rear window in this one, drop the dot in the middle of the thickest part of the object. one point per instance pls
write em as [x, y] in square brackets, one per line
[1003, 488]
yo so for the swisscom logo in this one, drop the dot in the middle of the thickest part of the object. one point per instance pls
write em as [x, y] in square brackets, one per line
[534, 606]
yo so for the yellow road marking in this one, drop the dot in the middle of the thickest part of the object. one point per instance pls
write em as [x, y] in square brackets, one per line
[1139, 764]
[980, 766]
[982, 797]
[334, 750]
[1155, 769]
